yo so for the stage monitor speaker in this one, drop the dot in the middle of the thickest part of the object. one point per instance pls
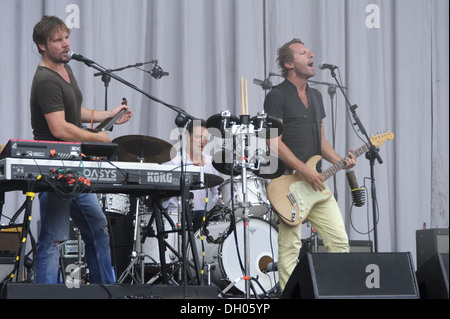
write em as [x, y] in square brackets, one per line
[433, 277]
[7, 264]
[356, 246]
[349, 276]
[113, 291]
[429, 242]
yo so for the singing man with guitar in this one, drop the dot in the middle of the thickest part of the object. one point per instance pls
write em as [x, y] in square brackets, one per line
[57, 115]
[301, 110]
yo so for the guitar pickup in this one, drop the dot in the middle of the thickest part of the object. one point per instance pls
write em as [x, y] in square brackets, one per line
[291, 199]
[305, 189]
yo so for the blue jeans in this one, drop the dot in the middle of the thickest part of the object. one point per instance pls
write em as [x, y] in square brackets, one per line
[88, 216]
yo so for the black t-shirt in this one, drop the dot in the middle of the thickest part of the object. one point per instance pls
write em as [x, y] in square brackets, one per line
[301, 125]
[51, 93]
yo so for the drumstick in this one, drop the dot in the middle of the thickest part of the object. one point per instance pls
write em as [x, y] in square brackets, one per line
[246, 99]
[242, 97]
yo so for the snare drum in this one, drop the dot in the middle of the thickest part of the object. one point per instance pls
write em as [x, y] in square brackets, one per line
[256, 196]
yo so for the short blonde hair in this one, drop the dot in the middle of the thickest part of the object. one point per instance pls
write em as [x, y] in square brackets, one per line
[285, 55]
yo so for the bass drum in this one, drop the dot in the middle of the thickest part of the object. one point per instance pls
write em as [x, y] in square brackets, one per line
[223, 258]
[150, 247]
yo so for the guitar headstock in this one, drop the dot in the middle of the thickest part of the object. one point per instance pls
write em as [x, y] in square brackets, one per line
[379, 139]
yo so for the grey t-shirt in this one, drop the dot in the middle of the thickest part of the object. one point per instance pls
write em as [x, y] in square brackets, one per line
[51, 93]
[302, 125]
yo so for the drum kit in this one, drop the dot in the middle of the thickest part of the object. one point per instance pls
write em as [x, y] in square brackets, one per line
[242, 257]
[245, 197]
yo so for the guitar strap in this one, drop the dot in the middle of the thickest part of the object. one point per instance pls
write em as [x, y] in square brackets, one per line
[315, 102]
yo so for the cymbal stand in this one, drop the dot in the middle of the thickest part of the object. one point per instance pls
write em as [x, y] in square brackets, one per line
[137, 258]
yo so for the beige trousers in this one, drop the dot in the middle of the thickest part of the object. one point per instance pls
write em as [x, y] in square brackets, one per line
[326, 218]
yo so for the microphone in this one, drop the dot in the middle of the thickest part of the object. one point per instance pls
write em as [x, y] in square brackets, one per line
[71, 55]
[157, 72]
[324, 66]
[266, 84]
[273, 266]
[356, 191]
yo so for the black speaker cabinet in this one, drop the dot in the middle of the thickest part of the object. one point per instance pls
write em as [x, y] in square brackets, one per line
[356, 275]
[356, 246]
[115, 291]
[432, 277]
[6, 267]
[429, 242]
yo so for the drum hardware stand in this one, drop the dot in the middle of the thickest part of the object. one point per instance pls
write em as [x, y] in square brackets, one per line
[80, 265]
[137, 258]
[161, 235]
[244, 156]
[80, 262]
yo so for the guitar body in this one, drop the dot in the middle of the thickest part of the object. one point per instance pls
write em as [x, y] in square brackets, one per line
[292, 196]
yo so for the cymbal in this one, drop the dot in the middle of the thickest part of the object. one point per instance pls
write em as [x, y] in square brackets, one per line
[136, 148]
[215, 121]
[223, 163]
[267, 126]
[211, 180]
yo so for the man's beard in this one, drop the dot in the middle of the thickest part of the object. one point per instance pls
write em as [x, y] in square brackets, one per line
[58, 58]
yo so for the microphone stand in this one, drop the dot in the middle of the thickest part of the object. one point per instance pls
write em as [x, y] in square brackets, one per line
[106, 78]
[332, 93]
[371, 155]
[181, 120]
[106, 72]
[186, 216]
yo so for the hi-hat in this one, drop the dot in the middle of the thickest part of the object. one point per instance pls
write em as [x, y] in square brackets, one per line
[141, 148]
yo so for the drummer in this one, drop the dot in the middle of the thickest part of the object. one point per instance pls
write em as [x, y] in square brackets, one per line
[204, 199]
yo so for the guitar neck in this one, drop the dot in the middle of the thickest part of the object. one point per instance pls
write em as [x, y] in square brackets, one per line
[326, 174]
[113, 120]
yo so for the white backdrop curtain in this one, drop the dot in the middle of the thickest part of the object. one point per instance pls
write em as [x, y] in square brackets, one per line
[393, 57]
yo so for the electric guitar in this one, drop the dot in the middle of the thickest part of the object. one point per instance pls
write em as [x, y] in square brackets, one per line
[292, 197]
[108, 123]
